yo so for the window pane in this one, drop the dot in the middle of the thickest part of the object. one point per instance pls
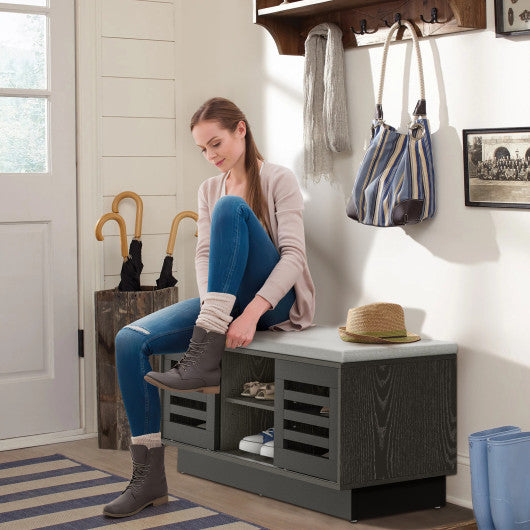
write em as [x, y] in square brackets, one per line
[28, 2]
[23, 133]
[22, 50]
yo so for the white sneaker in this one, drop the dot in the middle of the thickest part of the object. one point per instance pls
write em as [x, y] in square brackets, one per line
[253, 443]
[267, 449]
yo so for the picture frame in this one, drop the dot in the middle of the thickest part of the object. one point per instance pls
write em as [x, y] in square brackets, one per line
[512, 17]
[497, 167]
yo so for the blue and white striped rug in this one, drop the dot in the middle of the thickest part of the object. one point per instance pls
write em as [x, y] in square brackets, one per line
[57, 492]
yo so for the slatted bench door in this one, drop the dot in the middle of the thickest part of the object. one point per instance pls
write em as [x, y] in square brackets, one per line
[305, 436]
[189, 417]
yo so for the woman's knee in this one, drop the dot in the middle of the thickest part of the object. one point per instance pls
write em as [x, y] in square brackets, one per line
[128, 343]
[227, 206]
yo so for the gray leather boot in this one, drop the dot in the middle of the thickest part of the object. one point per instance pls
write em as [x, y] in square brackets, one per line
[199, 370]
[147, 486]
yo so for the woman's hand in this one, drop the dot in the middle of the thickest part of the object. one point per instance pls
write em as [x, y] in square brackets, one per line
[241, 331]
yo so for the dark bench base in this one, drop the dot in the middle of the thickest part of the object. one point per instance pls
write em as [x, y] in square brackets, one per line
[308, 492]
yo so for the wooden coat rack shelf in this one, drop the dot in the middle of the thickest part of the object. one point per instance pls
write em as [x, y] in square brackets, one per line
[364, 22]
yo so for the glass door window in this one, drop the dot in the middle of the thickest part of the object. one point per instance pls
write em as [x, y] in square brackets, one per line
[24, 87]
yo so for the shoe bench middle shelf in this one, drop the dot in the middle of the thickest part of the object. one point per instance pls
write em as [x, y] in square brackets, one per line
[251, 402]
[303, 437]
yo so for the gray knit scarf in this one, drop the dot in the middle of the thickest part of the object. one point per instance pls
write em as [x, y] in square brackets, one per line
[325, 110]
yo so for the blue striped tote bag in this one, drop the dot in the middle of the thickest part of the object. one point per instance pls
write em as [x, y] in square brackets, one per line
[395, 183]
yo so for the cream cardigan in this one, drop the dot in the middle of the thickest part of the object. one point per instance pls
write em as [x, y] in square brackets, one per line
[285, 207]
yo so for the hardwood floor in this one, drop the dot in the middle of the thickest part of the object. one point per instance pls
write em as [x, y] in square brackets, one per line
[248, 506]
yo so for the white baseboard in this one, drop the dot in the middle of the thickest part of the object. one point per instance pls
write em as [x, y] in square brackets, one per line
[459, 485]
[459, 502]
[45, 439]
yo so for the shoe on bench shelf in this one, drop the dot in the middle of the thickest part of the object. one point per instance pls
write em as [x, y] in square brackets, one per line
[266, 392]
[254, 442]
[251, 388]
[267, 449]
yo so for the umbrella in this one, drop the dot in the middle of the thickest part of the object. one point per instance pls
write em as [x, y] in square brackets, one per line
[135, 248]
[130, 278]
[166, 277]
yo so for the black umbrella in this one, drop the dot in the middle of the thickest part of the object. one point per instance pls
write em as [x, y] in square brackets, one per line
[166, 276]
[132, 268]
[130, 276]
[134, 265]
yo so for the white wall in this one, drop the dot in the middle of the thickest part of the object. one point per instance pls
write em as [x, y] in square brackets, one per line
[463, 276]
[137, 148]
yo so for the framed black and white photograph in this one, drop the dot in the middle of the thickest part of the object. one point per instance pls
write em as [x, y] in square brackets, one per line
[497, 167]
[512, 17]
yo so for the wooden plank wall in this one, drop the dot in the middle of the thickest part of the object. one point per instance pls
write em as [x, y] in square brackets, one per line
[138, 149]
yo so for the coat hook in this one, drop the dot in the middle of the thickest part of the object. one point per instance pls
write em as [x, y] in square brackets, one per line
[434, 17]
[397, 18]
[363, 31]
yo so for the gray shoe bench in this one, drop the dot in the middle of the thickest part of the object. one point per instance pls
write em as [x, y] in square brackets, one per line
[385, 447]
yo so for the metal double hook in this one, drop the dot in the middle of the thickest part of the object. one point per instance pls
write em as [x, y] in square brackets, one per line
[363, 31]
[434, 18]
[397, 18]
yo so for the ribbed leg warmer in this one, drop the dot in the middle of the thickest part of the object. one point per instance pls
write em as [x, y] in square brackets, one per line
[215, 312]
[149, 440]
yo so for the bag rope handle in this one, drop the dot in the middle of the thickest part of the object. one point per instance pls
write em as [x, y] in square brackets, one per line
[420, 109]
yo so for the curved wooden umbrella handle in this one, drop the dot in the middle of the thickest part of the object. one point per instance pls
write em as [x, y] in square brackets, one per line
[139, 209]
[174, 228]
[123, 231]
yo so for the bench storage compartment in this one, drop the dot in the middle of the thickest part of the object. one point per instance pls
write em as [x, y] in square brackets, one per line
[189, 417]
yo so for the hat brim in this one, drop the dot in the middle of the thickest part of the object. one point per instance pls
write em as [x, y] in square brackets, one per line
[368, 339]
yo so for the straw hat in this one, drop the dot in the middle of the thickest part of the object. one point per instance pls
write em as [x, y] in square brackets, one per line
[376, 323]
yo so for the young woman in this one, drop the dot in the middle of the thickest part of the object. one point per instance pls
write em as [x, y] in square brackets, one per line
[252, 274]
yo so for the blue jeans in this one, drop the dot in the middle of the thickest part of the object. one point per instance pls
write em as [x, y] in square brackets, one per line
[242, 257]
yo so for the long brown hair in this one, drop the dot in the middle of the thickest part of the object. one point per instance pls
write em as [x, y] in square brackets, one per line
[228, 115]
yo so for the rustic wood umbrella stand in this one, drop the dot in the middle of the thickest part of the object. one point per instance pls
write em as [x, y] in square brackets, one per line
[114, 310]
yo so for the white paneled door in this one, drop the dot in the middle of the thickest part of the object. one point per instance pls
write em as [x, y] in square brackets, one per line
[39, 364]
